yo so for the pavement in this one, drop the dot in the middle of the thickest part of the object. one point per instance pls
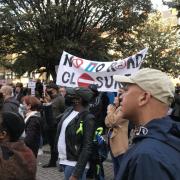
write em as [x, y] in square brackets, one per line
[55, 174]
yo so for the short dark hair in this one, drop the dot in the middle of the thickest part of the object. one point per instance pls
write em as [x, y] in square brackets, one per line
[19, 84]
[53, 86]
[13, 124]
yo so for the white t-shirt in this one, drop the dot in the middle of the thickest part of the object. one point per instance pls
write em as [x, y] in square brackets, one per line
[62, 144]
[61, 140]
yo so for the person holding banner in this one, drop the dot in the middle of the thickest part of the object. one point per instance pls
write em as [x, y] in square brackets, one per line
[155, 150]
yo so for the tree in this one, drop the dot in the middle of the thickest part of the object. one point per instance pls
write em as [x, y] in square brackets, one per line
[39, 30]
[161, 39]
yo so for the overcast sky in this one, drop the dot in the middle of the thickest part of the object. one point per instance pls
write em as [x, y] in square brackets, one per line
[159, 5]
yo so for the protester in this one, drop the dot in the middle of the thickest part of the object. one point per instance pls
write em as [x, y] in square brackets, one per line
[98, 107]
[33, 123]
[53, 106]
[39, 89]
[155, 152]
[54, 98]
[18, 92]
[16, 160]
[68, 100]
[117, 133]
[10, 103]
[75, 135]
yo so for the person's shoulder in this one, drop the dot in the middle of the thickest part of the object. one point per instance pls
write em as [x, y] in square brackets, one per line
[33, 120]
[34, 117]
[27, 159]
[12, 100]
[60, 97]
[89, 115]
[140, 152]
[153, 158]
[154, 149]
[86, 116]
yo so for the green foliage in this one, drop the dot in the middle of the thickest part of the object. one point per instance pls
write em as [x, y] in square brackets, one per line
[39, 30]
[161, 39]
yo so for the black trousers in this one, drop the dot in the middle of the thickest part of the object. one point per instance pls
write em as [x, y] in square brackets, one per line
[51, 135]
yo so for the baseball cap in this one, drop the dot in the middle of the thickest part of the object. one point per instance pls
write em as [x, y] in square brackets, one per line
[151, 80]
[85, 93]
[70, 91]
[93, 87]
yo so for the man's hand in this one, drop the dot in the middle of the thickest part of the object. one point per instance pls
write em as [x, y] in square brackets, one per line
[111, 108]
[47, 98]
[73, 178]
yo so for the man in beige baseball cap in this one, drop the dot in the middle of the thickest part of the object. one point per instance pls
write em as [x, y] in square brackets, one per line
[155, 153]
[153, 81]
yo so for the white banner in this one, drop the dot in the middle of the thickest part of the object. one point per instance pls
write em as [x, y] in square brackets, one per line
[74, 71]
[32, 86]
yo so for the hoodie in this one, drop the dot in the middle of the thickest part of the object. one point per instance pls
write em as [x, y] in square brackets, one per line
[154, 154]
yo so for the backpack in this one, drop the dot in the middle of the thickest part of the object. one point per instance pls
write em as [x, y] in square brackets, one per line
[101, 145]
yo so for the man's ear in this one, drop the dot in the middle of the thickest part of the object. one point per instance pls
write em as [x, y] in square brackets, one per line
[144, 98]
[3, 135]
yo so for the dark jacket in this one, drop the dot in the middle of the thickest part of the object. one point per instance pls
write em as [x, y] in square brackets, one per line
[33, 133]
[78, 146]
[58, 105]
[176, 108]
[154, 154]
[21, 165]
[52, 110]
[98, 107]
[11, 105]
[19, 96]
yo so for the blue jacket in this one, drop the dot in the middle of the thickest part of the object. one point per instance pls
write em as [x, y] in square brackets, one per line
[154, 154]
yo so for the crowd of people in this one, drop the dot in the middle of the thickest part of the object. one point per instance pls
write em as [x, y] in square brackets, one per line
[140, 129]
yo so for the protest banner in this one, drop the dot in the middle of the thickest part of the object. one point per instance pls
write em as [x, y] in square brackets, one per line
[77, 72]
